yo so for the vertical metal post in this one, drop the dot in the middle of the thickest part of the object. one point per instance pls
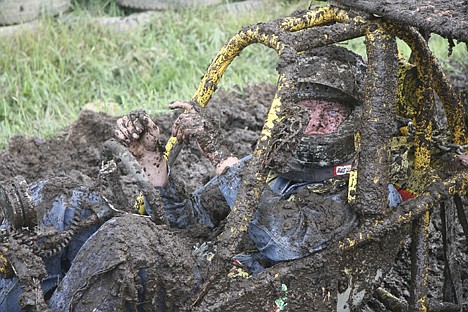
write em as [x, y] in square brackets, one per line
[452, 103]
[377, 126]
[421, 172]
[419, 263]
[253, 181]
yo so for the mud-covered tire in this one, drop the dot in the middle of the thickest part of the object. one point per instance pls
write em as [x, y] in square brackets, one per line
[19, 11]
[165, 4]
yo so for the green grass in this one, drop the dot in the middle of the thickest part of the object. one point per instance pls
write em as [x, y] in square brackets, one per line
[47, 76]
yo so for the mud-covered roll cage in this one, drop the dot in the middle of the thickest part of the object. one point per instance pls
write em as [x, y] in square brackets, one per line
[304, 30]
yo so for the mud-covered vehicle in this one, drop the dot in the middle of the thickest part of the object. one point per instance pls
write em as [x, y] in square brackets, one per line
[350, 272]
[365, 270]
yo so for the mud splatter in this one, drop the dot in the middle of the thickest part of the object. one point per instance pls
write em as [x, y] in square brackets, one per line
[74, 158]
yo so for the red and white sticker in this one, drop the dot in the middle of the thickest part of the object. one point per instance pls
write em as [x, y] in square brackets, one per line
[342, 170]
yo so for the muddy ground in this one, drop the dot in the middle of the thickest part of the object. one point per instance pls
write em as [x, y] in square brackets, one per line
[77, 153]
[79, 147]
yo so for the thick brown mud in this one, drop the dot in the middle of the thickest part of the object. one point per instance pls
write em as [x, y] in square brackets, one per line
[74, 157]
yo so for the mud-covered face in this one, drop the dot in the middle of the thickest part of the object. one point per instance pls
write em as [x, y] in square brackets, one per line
[324, 116]
[326, 103]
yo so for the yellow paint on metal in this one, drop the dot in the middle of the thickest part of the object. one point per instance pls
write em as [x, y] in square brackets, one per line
[352, 184]
[422, 153]
[5, 268]
[273, 115]
[352, 181]
[227, 54]
[453, 106]
[405, 217]
[426, 217]
[314, 17]
[422, 158]
[169, 145]
[454, 113]
[406, 93]
[404, 131]
[139, 204]
[417, 87]
[400, 141]
[422, 304]
[460, 185]
[222, 61]
[377, 221]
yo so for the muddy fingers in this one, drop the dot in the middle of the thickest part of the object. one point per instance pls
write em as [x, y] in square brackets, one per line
[141, 136]
[138, 132]
[195, 125]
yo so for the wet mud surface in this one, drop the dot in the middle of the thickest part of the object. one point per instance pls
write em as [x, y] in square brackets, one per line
[75, 156]
[80, 146]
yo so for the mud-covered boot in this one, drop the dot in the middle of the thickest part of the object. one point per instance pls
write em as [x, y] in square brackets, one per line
[16, 204]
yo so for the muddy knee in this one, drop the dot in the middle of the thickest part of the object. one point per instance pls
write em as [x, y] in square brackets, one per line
[129, 261]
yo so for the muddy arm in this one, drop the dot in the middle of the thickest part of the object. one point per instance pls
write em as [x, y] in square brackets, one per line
[142, 138]
[195, 124]
[142, 158]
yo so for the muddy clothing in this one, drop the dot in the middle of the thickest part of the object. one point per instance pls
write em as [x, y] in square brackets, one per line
[285, 226]
[293, 220]
[127, 264]
[131, 263]
[59, 214]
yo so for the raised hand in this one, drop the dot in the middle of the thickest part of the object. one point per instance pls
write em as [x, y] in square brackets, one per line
[190, 124]
[142, 137]
[193, 125]
[139, 133]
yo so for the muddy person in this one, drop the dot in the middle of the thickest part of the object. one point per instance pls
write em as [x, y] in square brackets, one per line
[133, 264]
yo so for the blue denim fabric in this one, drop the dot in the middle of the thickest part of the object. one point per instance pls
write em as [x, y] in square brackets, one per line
[179, 211]
[394, 198]
[272, 238]
[60, 217]
[269, 238]
[180, 208]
